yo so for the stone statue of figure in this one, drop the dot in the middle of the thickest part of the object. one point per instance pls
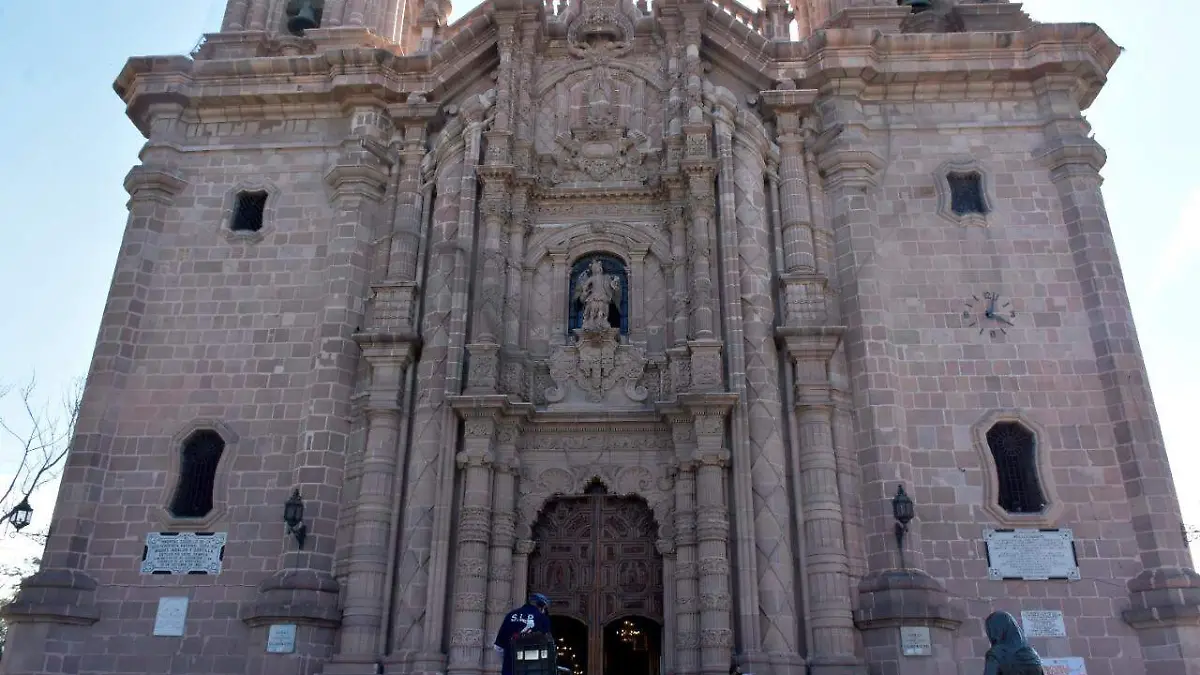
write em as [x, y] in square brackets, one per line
[597, 291]
[1010, 653]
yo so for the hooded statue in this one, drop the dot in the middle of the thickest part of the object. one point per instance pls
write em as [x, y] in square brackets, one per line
[1010, 653]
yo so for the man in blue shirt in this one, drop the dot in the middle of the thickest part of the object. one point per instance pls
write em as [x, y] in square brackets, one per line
[528, 618]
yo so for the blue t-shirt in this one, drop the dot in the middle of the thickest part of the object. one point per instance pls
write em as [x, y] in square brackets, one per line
[525, 619]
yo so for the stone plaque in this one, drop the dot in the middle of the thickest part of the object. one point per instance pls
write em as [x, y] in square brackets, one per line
[183, 553]
[1043, 623]
[915, 641]
[171, 618]
[1031, 555]
[281, 638]
[1067, 665]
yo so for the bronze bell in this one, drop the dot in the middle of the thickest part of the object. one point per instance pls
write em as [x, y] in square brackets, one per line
[304, 18]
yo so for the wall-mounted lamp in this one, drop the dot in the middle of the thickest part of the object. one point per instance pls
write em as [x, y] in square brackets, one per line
[293, 515]
[21, 515]
[903, 510]
[917, 5]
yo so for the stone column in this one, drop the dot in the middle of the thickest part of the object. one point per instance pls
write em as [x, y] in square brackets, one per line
[235, 16]
[429, 422]
[712, 539]
[687, 592]
[471, 547]
[504, 518]
[702, 211]
[520, 583]
[825, 564]
[487, 326]
[637, 293]
[888, 596]
[518, 226]
[773, 531]
[558, 315]
[62, 593]
[363, 607]
[1165, 596]
[793, 196]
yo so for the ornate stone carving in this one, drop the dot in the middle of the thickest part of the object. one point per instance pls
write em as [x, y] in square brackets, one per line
[713, 565]
[719, 601]
[716, 637]
[687, 639]
[466, 637]
[597, 363]
[469, 602]
[537, 486]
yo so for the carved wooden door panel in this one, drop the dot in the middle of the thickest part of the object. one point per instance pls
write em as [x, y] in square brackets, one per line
[596, 561]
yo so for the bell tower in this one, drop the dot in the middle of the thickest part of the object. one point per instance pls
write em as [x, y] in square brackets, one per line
[329, 23]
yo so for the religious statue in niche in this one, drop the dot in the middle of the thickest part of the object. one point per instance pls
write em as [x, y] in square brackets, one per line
[600, 296]
[596, 361]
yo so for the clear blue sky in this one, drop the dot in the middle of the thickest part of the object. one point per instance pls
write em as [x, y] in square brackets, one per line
[66, 145]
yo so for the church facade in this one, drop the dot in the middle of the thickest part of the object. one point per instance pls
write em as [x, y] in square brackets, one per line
[653, 309]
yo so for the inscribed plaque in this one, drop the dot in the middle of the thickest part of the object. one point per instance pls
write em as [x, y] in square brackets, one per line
[1067, 665]
[171, 618]
[915, 641]
[183, 553]
[1031, 555]
[1043, 623]
[281, 638]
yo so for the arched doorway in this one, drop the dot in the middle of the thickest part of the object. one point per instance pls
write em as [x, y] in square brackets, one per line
[597, 562]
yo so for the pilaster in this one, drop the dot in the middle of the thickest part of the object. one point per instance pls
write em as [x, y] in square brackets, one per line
[825, 563]
[712, 530]
[364, 605]
[1165, 596]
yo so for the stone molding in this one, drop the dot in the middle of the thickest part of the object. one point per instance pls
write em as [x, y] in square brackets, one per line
[540, 484]
[892, 598]
[58, 596]
[991, 482]
[220, 483]
[941, 181]
[1083, 52]
[1164, 597]
[305, 597]
[229, 206]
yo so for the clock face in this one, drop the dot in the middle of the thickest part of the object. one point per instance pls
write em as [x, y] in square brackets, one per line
[990, 313]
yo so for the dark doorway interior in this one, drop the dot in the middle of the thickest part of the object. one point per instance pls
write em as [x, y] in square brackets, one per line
[632, 646]
[571, 637]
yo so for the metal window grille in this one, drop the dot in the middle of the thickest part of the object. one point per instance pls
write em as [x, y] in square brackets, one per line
[248, 212]
[197, 474]
[966, 193]
[1014, 450]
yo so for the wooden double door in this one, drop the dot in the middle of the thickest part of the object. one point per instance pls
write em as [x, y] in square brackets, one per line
[597, 562]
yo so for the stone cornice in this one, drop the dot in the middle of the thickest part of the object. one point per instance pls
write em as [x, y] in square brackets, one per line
[1081, 51]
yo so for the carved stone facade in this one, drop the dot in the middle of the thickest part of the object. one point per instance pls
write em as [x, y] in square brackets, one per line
[650, 306]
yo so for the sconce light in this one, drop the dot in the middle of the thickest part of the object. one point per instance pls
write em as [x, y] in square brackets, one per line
[293, 515]
[903, 510]
[20, 515]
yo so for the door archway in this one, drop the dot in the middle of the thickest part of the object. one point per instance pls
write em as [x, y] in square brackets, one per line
[596, 560]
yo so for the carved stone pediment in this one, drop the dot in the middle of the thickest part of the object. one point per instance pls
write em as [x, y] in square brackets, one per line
[599, 155]
[598, 369]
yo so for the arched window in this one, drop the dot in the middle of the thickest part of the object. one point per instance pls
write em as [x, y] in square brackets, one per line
[201, 453]
[1014, 450]
[618, 313]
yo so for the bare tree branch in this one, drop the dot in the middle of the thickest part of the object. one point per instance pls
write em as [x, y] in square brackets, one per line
[33, 449]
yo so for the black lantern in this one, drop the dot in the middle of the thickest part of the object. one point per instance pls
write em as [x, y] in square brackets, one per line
[21, 515]
[903, 510]
[917, 5]
[293, 515]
